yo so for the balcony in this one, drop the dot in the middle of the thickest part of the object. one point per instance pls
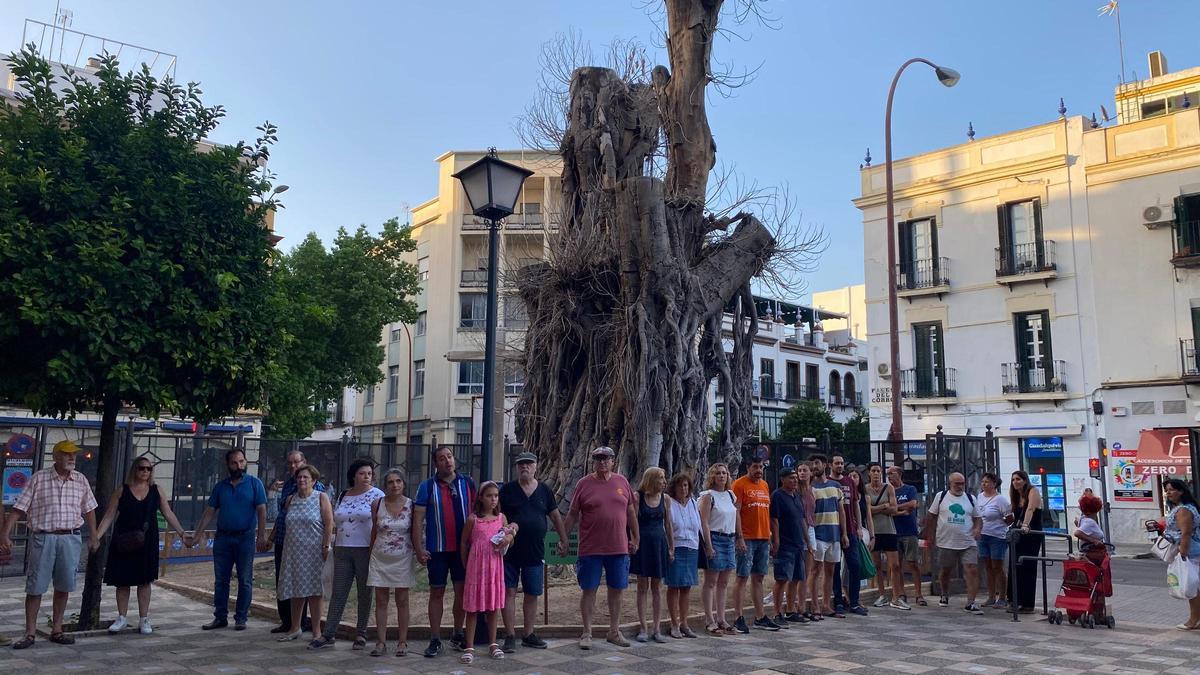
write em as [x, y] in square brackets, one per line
[767, 388]
[1026, 262]
[929, 276]
[928, 386]
[845, 400]
[1185, 248]
[800, 392]
[1021, 382]
[516, 221]
[1189, 365]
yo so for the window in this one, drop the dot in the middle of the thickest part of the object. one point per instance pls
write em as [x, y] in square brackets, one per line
[422, 319]
[930, 360]
[1187, 226]
[1022, 249]
[920, 266]
[395, 337]
[514, 380]
[793, 381]
[531, 208]
[370, 397]
[835, 387]
[423, 269]
[472, 310]
[461, 438]
[470, 377]
[766, 377]
[1035, 365]
[850, 391]
[516, 315]
[419, 378]
[812, 381]
[393, 385]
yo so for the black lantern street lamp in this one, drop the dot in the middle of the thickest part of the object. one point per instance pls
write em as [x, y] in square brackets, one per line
[492, 188]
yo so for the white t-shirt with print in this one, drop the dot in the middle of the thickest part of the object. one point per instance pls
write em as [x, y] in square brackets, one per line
[955, 519]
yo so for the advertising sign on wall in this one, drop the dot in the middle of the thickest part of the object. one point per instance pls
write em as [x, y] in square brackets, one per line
[1130, 484]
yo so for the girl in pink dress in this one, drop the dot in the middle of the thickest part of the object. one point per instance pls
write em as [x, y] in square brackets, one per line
[486, 535]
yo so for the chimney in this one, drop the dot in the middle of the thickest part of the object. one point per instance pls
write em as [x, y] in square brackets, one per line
[1158, 64]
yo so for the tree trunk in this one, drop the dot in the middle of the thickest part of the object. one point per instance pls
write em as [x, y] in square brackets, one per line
[108, 474]
[626, 318]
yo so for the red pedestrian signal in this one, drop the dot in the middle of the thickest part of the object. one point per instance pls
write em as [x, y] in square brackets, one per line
[1094, 466]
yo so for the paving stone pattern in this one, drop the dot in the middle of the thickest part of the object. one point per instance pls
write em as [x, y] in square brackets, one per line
[926, 640]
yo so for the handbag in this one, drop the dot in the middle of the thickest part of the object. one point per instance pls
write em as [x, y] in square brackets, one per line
[865, 565]
[1164, 549]
[131, 541]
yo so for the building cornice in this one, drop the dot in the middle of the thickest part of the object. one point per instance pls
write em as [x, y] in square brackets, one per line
[939, 185]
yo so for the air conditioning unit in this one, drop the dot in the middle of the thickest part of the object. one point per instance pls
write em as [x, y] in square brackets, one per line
[1157, 216]
[883, 369]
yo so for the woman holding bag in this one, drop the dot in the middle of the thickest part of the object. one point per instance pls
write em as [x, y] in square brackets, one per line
[1182, 523]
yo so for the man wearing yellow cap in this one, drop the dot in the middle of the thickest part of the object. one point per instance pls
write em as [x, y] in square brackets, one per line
[56, 502]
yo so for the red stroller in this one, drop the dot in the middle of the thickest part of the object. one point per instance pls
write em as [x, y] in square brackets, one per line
[1087, 581]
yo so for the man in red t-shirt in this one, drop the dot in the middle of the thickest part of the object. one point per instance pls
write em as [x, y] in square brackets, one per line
[602, 505]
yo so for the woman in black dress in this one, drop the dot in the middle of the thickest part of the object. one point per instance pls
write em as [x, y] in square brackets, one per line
[133, 551]
[1027, 517]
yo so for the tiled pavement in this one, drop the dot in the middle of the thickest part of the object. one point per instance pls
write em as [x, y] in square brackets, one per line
[926, 640]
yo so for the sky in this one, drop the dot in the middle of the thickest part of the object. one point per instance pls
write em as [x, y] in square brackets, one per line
[367, 94]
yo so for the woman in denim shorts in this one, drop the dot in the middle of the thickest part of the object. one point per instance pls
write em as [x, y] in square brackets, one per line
[993, 545]
[718, 516]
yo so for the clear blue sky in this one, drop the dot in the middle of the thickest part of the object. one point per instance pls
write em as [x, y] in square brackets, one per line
[366, 95]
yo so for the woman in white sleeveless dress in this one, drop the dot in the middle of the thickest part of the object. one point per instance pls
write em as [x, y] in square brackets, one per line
[391, 567]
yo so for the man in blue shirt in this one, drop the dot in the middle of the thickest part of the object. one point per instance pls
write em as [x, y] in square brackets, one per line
[295, 460]
[907, 530]
[238, 502]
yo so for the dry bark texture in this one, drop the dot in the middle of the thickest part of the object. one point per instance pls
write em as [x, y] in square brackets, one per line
[625, 318]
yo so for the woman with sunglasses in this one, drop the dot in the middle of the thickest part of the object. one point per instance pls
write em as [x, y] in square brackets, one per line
[133, 551]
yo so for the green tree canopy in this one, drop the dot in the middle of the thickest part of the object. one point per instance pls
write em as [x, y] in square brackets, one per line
[808, 419]
[336, 302]
[134, 265]
[858, 427]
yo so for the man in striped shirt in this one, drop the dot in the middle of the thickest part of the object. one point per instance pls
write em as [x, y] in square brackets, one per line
[829, 522]
[440, 509]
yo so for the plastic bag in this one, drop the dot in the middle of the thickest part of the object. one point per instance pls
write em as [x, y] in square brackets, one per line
[865, 565]
[1183, 578]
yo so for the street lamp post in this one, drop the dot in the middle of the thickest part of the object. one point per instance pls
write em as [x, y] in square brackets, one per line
[949, 78]
[492, 188]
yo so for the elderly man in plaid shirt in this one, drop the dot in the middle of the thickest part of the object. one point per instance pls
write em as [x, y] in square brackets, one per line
[56, 503]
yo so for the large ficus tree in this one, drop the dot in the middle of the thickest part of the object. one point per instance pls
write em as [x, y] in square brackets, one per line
[133, 257]
[625, 328]
[336, 301]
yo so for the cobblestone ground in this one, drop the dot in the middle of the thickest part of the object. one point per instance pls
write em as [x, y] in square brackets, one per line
[926, 640]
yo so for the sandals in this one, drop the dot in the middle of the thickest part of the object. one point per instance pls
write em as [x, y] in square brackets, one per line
[24, 643]
[496, 651]
[380, 649]
[61, 639]
[714, 630]
[728, 629]
[922, 602]
[468, 656]
[402, 649]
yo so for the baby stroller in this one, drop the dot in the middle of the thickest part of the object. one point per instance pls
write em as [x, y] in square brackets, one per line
[1087, 581]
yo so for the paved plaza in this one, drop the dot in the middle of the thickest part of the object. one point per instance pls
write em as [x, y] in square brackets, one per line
[926, 640]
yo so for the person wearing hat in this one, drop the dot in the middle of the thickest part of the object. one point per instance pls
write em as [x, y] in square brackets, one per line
[56, 503]
[527, 502]
[603, 506]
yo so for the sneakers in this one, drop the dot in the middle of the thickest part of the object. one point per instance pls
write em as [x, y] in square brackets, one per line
[944, 601]
[458, 640]
[119, 625]
[796, 617]
[510, 644]
[859, 610]
[766, 623]
[144, 626]
[899, 603]
[973, 608]
[881, 601]
[434, 648]
[532, 641]
[585, 642]
[642, 637]
[215, 624]
[740, 625]
[780, 621]
[999, 604]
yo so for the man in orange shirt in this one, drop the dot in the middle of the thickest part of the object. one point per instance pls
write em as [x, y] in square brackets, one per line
[753, 542]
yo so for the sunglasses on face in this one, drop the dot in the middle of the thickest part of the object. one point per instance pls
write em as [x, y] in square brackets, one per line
[144, 467]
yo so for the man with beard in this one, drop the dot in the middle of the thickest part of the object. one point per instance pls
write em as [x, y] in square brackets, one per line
[753, 543]
[57, 501]
[238, 501]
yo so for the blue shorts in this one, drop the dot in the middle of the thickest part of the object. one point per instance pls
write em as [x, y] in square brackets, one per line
[754, 559]
[684, 569]
[789, 564]
[442, 563]
[992, 548]
[52, 557]
[532, 577]
[724, 560]
[615, 568]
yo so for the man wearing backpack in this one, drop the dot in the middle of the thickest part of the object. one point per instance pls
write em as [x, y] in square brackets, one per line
[956, 526]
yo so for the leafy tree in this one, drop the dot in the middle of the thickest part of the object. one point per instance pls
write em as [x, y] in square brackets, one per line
[336, 303]
[858, 427]
[808, 419]
[134, 266]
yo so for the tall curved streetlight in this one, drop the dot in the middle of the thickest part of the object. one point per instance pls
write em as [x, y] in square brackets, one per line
[948, 77]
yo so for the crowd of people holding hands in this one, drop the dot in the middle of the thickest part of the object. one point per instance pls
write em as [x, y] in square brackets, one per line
[822, 531]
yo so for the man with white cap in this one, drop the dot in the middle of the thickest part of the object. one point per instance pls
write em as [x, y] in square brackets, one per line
[603, 506]
[56, 503]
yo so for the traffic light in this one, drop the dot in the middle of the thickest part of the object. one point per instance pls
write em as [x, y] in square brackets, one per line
[1094, 466]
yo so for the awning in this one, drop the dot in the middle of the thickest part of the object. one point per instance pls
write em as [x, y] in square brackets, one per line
[1167, 449]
